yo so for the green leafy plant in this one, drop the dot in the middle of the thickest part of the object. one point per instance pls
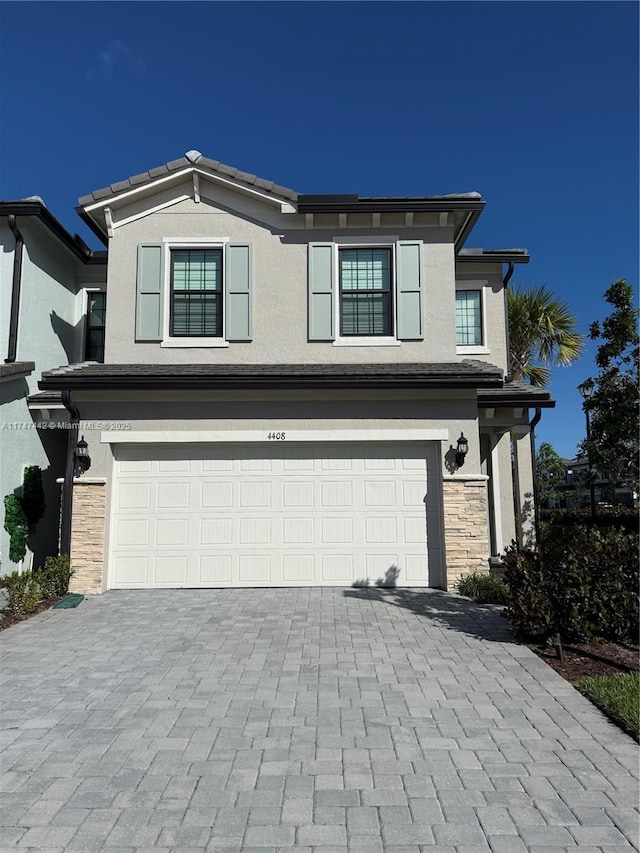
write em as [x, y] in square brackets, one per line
[17, 526]
[33, 502]
[54, 576]
[618, 696]
[485, 589]
[24, 593]
[582, 582]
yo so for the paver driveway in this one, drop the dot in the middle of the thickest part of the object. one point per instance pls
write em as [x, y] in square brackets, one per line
[322, 720]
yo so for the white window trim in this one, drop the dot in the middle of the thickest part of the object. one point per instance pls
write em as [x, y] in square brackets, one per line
[473, 349]
[368, 242]
[85, 290]
[168, 340]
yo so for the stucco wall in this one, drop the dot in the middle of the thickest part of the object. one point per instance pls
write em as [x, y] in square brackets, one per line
[279, 285]
[48, 336]
[235, 411]
[488, 279]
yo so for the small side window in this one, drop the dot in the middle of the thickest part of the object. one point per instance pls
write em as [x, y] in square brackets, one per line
[468, 318]
[96, 321]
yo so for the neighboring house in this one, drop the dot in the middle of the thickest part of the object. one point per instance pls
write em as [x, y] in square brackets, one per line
[575, 489]
[47, 279]
[285, 382]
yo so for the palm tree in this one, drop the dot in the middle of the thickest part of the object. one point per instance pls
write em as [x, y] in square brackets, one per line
[541, 328]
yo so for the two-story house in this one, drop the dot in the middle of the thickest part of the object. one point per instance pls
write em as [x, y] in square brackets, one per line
[296, 390]
[52, 288]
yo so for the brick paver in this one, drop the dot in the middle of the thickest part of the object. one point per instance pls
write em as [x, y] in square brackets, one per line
[307, 720]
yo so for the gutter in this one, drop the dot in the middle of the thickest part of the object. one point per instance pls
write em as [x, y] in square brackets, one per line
[67, 491]
[505, 283]
[15, 290]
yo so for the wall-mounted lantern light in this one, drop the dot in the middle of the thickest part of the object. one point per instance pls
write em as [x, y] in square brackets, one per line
[81, 458]
[462, 448]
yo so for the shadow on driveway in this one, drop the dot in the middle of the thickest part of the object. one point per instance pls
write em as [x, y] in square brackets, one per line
[449, 611]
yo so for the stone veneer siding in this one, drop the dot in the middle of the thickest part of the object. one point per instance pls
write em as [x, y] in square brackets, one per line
[87, 536]
[466, 536]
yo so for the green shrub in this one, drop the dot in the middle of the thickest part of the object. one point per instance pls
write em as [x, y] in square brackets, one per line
[24, 593]
[17, 526]
[618, 696]
[485, 589]
[54, 576]
[33, 503]
[615, 516]
[582, 582]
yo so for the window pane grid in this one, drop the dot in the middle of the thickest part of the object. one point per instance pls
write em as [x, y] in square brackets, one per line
[196, 293]
[468, 318]
[365, 292]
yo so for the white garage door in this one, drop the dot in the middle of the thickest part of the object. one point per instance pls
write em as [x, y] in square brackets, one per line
[275, 515]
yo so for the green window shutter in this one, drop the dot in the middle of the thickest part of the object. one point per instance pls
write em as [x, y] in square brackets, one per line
[409, 290]
[149, 294]
[321, 292]
[239, 313]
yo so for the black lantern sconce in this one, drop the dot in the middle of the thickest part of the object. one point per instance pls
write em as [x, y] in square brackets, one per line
[462, 448]
[81, 458]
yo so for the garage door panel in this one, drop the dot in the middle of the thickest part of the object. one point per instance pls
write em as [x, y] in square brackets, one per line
[214, 570]
[216, 531]
[173, 495]
[254, 568]
[285, 514]
[214, 495]
[134, 496]
[298, 531]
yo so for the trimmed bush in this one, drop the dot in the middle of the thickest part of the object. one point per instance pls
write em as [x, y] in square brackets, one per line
[17, 526]
[615, 516]
[485, 589]
[54, 576]
[24, 593]
[582, 582]
[33, 503]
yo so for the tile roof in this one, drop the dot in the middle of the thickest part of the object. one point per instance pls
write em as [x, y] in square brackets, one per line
[467, 373]
[191, 158]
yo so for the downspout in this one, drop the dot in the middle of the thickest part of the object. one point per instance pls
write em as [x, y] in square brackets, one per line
[536, 508]
[15, 290]
[505, 283]
[67, 490]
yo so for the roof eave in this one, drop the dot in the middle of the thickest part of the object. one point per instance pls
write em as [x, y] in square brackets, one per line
[39, 210]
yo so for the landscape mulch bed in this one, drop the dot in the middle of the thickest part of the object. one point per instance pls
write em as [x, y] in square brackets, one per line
[603, 658]
[8, 619]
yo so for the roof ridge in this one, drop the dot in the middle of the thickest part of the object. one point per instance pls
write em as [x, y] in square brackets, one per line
[190, 159]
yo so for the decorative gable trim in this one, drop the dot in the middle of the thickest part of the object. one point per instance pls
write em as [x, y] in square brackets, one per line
[192, 173]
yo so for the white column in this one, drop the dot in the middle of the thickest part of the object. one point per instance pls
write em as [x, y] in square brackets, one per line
[525, 499]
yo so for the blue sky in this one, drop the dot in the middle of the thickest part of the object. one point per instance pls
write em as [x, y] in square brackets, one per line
[534, 105]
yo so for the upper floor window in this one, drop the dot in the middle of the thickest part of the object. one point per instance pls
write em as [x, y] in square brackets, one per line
[95, 325]
[468, 318]
[365, 291]
[366, 297]
[196, 293]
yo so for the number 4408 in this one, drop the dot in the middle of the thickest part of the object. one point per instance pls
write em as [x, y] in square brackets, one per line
[276, 436]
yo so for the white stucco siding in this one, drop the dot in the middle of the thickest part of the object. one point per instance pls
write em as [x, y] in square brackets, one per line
[49, 335]
[280, 261]
[128, 412]
[488, 279]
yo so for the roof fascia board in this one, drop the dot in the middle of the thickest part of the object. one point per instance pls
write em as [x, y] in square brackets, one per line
[173, 383]
[502, 258]
[41, 212]
[285, 207]
[394, 205]
[467, 227]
